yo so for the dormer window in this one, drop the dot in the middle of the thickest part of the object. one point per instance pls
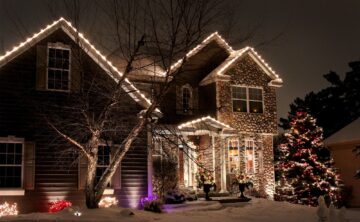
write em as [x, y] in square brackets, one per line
[58, 68]
[186, 93]
[247, 99]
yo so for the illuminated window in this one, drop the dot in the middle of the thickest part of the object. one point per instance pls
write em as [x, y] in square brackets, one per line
[234, 155]
[186, 99]
[247, 99]
[11, 154]
[249, 157]
[103, 161]
[58, 72]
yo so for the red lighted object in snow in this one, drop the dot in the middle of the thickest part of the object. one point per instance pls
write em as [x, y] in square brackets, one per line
[58, 205]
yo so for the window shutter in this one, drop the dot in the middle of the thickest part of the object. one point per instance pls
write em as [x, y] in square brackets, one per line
[75, 72]
[82, 172]
[41, 65]
[29, 166]
[116, 180]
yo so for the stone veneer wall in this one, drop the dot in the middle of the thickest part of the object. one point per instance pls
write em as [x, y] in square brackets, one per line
[248, 73]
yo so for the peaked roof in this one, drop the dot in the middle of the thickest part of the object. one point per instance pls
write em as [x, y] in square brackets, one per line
[219, 71]
[204, 120]
[349, 133]
[90, 49]
[215, 36]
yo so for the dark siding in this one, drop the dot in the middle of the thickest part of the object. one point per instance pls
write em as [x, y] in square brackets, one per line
[57, 171]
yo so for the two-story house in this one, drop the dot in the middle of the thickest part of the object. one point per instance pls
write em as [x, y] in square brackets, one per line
[223, 105]
[222, 108]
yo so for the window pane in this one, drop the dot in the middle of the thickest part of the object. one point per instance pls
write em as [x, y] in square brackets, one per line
[239, 106]
[234, 154]
[255, 94]
[51, 53]
[66, 54]
[2, 158]
[186, 99]
[58, 75]
[256, 107]
[2, 148]
[249, 157]
[239, 92]
[18, 148]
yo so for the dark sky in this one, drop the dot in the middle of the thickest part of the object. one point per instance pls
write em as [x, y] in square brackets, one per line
[316, 36]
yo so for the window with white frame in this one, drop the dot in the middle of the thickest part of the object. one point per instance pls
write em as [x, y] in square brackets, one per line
[234, 155]
[247, 99]
[249, 156]
[11, 164]
[58, 71]
[103, 161]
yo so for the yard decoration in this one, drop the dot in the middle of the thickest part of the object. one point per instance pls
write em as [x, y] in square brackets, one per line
[244, 182]
[8, 210]
[58, 205]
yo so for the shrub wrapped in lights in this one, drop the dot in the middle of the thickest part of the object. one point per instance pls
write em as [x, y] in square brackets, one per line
[58, 205]
[107, 202]
[8, 210]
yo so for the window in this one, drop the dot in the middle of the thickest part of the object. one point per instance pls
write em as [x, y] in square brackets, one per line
[103, 161]
[11, 164]
[234, 155]
[247, 99]
[249, 157]
[58, 72]
[186, 99]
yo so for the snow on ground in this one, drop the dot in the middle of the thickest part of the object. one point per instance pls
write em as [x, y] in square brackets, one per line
[212, 211]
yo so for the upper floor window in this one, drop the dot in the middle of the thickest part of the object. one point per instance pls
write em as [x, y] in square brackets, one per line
[186, 94]
[247, 99]
[249, 156]
[234, 155]
[11, 164]
[58, 69]
[103, 161]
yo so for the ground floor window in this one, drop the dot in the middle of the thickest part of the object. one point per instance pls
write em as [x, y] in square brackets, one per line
[249, 157]
[11, 164]
[234, 155]
[103, 161]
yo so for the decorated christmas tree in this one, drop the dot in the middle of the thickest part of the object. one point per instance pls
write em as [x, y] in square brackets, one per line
[304, 166]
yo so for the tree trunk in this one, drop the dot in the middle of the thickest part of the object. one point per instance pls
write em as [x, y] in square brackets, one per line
[91, 196]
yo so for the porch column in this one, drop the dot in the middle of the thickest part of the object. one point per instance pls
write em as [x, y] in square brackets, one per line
[149, 163]
[223, 165]
[213, 154]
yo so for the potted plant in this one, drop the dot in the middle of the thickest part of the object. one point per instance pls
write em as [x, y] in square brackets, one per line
[205, 180]
[244, 182]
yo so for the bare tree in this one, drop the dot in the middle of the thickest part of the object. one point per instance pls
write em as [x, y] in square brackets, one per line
[158, 31]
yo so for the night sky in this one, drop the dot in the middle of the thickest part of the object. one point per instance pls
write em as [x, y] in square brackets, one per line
[315, 36]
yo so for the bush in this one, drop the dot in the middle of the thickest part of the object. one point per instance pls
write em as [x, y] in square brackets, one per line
[153, 206]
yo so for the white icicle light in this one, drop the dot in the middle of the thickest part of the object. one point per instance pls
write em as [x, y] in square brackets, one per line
[8, 210]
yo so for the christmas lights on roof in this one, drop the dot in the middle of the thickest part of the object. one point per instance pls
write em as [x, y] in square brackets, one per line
[90, 49]
[207, 118]
[214, 36]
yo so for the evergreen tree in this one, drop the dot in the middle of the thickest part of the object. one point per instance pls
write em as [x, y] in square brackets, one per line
[304, 166]
[340, 101]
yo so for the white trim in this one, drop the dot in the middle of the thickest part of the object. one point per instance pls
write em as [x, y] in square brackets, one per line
[191, 123]
[85, 44]
[248, 98]
[12, 192]
[61, 46]
[13, 139]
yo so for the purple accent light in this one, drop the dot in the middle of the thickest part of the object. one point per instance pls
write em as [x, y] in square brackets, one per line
[144, 200]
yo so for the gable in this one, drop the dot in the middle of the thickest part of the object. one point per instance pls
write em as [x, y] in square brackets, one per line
[83, 43]
[220, 72]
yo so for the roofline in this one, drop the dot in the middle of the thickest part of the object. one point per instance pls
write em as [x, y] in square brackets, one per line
[213, 36]
[90, 49]
[190, 123]
[236, 55]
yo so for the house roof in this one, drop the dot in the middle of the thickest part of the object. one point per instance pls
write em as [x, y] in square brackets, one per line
[212, 37]
[349, 133]
[90, 49]
[219, 71]
[202, 123]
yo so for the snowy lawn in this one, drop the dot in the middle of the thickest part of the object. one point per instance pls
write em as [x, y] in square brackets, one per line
[255, 211]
